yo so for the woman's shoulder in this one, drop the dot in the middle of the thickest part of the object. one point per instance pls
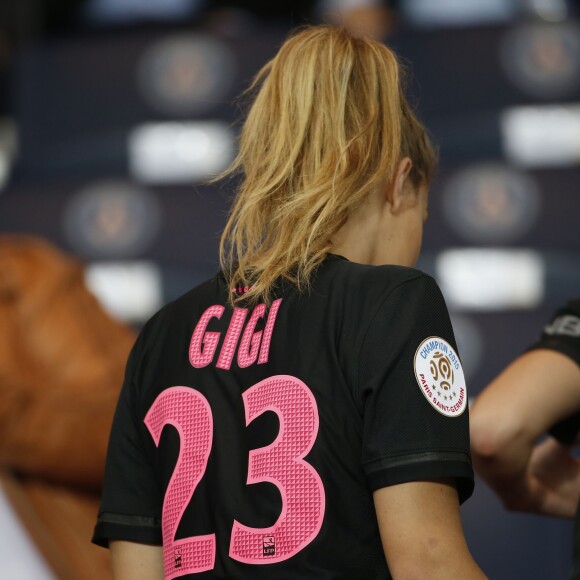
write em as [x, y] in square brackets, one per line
[367, 281]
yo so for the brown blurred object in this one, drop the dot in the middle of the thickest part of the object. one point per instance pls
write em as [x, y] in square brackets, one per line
[60, 521]
[375, 21]
[62, 360]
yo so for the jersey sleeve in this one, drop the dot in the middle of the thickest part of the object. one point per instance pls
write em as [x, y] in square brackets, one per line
[412, 392]
[131, 499]
[562, 334]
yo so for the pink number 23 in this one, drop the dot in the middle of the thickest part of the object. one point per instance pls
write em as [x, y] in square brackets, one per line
[281, 463]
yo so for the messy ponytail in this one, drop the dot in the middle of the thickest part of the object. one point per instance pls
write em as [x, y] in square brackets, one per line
[328, 125]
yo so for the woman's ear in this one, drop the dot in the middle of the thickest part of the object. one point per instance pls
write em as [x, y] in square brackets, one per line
[395, 191]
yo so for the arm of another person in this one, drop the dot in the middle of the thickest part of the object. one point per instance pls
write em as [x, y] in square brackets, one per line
[421, 531]
[536, 391]
[132, 561]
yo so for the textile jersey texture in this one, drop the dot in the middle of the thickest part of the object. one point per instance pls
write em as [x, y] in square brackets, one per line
[249, 441]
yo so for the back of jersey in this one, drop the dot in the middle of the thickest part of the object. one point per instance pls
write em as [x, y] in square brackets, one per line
[249, 440]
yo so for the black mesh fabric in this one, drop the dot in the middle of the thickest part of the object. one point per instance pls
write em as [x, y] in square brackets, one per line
[350, 345]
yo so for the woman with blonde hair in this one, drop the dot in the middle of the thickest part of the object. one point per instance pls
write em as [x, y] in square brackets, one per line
[303, 414]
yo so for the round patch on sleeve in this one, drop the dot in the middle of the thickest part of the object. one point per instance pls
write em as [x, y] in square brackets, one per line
[440, 376]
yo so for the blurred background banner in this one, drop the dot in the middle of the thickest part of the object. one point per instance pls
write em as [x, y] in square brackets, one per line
[114, 114]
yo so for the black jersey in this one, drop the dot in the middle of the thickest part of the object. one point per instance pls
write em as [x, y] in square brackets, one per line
[562, 334]
[249, 441]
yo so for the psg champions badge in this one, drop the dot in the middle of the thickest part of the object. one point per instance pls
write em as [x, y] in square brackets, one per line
[440, 376]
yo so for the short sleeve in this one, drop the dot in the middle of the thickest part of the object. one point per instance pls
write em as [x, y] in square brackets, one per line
[562, 334]
[412, 392]
[131, 500]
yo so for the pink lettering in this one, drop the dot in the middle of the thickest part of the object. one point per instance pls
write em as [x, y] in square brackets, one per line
[189, 412]
[232, 337]
[265, 350]
[200, 357]
[250, 344]
[282, 464]
[253, 345]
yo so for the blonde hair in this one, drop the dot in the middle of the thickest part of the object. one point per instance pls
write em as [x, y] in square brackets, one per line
[328, 124]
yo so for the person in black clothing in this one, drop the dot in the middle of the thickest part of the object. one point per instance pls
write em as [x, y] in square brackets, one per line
[303, 414]
[538, 393]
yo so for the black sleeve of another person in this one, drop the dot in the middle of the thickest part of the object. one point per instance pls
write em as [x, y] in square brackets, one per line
[563, 335]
